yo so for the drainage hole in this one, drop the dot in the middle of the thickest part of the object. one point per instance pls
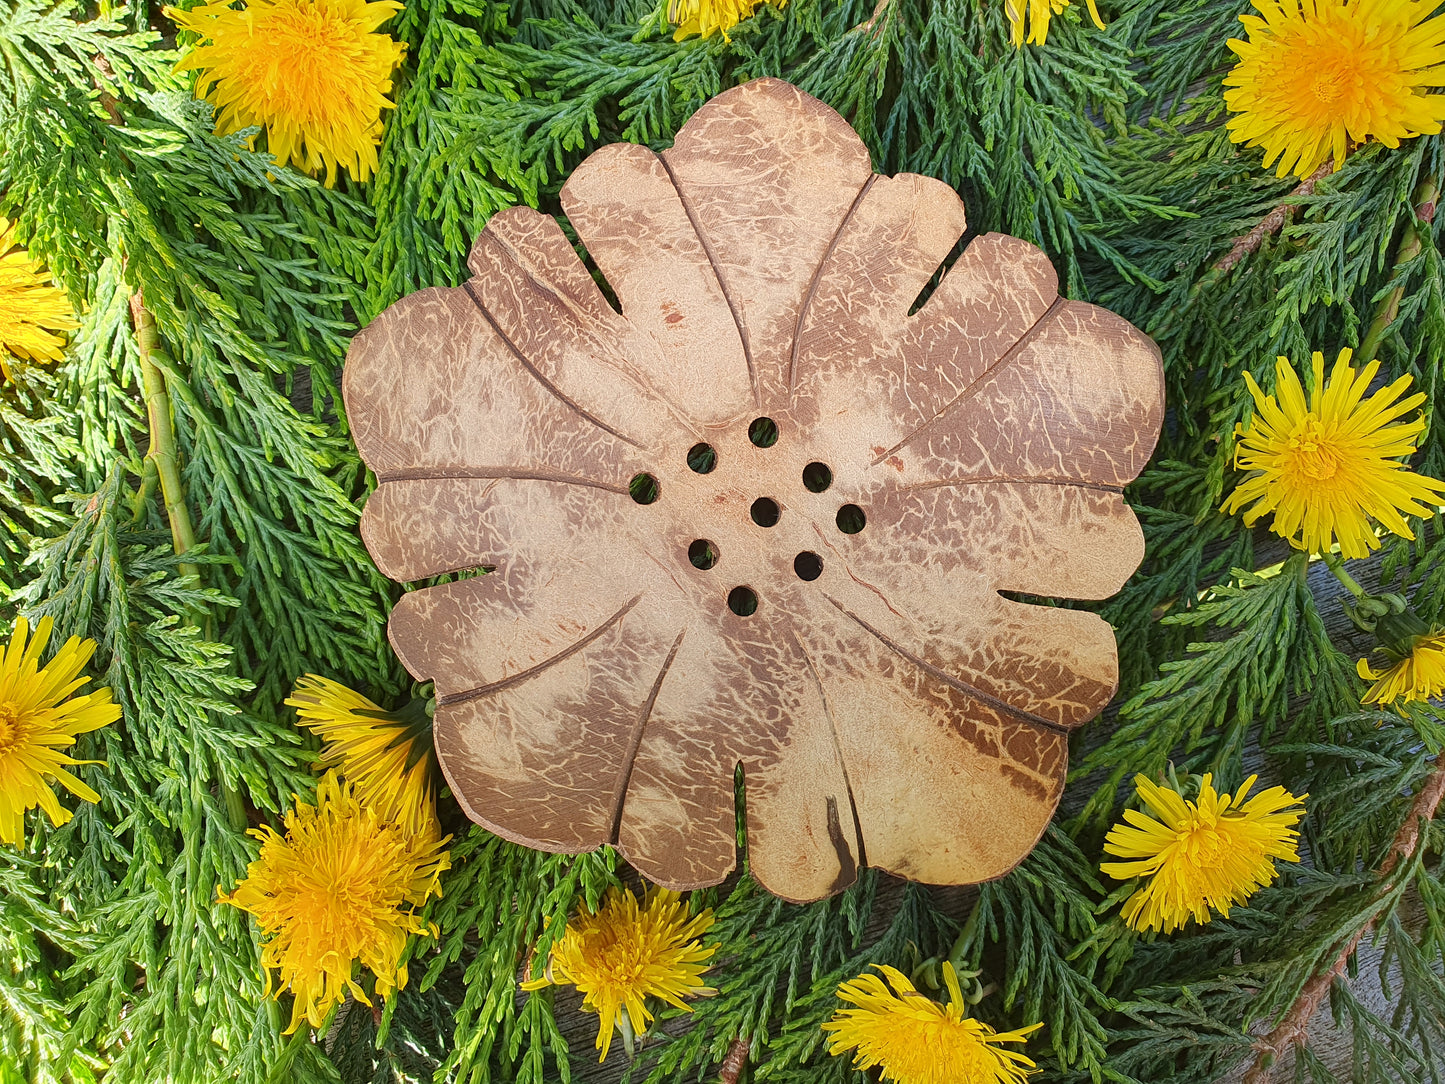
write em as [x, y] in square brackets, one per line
[702, 554]
[851, 519]
[765, 511]
[743, 601]
[701, 458]
[644, 488]
[808, 565]
[817, 477]
[763, 432]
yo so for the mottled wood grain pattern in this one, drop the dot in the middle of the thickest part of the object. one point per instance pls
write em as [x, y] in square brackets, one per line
[596, 688]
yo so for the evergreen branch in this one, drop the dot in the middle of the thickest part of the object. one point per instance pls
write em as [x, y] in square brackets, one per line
[502, 900]
[1337, 254]
[1276, 649]
[872, 20]
[1245, 245]
[1294, 1026]
[1037, 914]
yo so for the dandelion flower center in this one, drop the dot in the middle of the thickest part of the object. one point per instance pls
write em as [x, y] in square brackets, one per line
[310, 61]
[1313, 77]
[1328, 87]
[1206, 846]
[1331, 70]
[618, 961]
[1312, 454]
[335, 898]
[12, 731]
[348, 891]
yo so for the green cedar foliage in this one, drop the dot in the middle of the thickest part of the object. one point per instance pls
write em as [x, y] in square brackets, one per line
[1107, 149]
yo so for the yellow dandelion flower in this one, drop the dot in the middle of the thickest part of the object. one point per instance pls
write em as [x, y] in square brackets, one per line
[1327, 464]
[386, 756]
[340, 887]
[314, 73]
[1315, 75]
[32, 311]
[1037, 13]
[918, 1041]
[708, 17]
[37, 721]
[1419, 675]
[1214, 853]
[626, 953]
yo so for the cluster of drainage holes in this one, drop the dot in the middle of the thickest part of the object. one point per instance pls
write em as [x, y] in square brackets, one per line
[763, 432]
[765, 512]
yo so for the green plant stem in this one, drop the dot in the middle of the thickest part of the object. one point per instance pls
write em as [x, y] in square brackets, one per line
[964, 940]
[1337, 566]
[162, 456]
[235, 808]
[1410, 243]
[162, 451]
[143, 494]
[288, 1054]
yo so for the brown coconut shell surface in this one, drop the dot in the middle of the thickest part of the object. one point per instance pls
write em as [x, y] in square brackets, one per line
[760, 516]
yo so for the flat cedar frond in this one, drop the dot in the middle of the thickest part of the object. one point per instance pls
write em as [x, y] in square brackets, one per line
[1273, 647]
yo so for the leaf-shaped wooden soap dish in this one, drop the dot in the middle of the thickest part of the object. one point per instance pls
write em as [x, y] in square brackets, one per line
[761, 516]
